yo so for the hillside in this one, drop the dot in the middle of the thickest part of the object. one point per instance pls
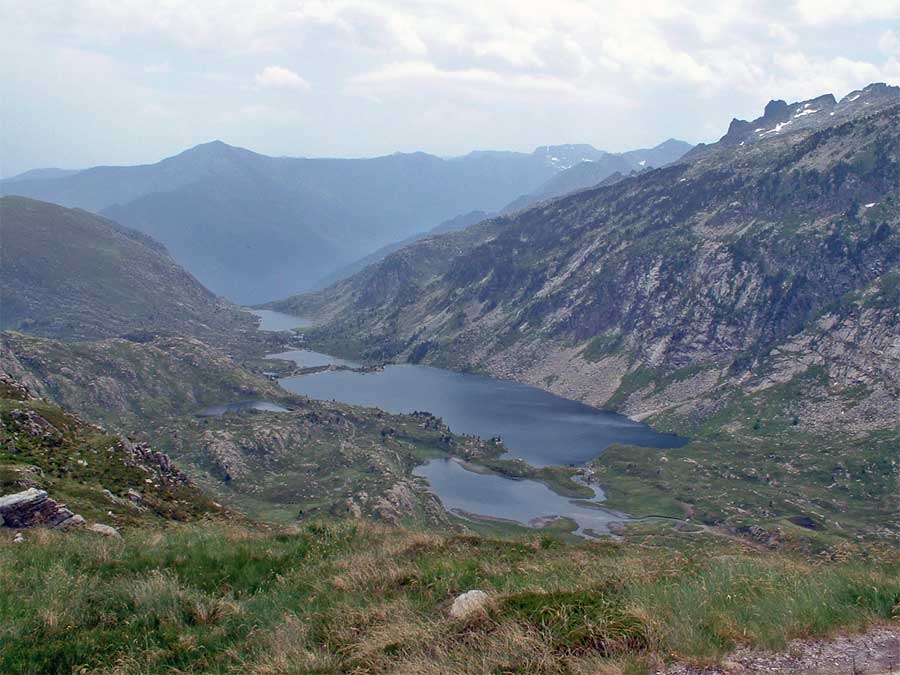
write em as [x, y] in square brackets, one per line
[312, 458]
[70, 274]
[254, 228]
[98, 475]
[675, 285]
[746, 298]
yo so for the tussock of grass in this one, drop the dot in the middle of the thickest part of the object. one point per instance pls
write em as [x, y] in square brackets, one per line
[356, 597]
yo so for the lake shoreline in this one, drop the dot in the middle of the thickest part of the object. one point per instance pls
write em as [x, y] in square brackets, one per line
[575, 496]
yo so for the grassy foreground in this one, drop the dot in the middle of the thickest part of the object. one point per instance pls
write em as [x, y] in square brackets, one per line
[362, 598]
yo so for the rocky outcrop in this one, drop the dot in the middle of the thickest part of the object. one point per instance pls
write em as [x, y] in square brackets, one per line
[35, 507]
[780, 117]
[140, 454]
[45, 449]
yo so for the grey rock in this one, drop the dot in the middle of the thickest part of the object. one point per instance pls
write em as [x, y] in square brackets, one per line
[32, 507]
[105, 530]
[71, 523]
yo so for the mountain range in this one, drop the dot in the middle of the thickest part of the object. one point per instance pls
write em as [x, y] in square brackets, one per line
[746, 296]
[584, 167]
[254, 228]
[767, 259]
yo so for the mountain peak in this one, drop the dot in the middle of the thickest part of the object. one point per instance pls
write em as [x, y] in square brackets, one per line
[215, 147]
[815, 113]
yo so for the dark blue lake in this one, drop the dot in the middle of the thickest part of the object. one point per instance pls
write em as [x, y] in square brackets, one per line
[535, 425]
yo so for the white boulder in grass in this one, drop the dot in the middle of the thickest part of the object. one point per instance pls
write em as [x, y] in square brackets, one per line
[467, 603]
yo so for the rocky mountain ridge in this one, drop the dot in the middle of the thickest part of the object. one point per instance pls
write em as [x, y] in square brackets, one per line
[673, 291]
[816, 113]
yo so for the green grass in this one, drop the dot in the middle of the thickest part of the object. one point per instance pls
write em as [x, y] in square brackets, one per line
[844, 486]
[356, 597]
[88, 469]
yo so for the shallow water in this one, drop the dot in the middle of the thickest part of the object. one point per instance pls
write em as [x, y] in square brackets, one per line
[278, 321]
[237, 406]
[465, 492]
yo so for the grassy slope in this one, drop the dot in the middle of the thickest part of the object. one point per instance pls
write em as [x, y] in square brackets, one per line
[131, 384]
[71, 274]
[354, 597]
[76, 462]
[751, 462]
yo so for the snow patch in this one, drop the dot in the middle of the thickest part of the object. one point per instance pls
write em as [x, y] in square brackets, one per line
[869, 206]
[805, 112]
[853, 98]
[777, 129]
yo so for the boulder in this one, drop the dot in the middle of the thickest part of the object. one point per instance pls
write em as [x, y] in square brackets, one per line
[105, 530]
[71, 523]
[32, 507]
[466, 604]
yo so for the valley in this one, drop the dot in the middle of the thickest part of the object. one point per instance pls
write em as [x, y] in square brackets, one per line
[565, 411]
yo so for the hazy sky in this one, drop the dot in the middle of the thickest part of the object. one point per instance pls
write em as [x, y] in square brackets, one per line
[87, 82]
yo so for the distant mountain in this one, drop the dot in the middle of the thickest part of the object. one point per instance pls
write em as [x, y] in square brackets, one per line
[41, 174]
[757, 272]
[590, 172]
[591, 168]
[70, 274]
[254, 227]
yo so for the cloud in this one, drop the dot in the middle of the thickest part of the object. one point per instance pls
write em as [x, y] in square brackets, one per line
[262, 114]
[280, 77]
[439, 75]
[399, 77]
[889, 43]
[819, 12]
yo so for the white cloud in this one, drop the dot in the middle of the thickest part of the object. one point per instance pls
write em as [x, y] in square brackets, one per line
[818, 12]
[440, 75]
[889, 43]
[278, 76]
[399, 76]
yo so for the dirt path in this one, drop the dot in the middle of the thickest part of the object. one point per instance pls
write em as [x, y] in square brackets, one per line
[876, 652]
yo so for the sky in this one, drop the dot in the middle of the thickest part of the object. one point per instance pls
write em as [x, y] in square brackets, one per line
[87, 82]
